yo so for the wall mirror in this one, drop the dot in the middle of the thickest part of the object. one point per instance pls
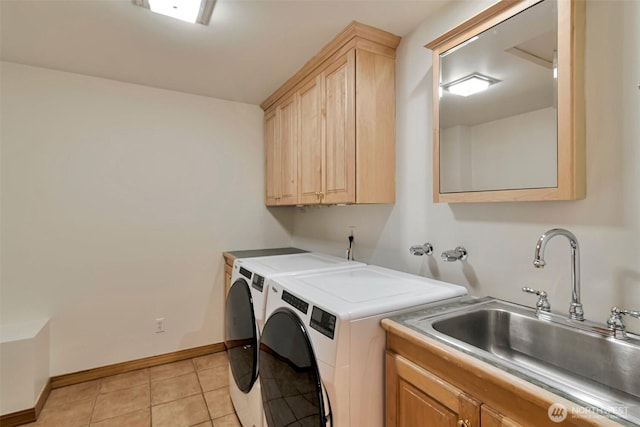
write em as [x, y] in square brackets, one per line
[509, 104]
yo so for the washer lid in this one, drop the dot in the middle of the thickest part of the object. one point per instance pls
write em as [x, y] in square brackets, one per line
[367, 290]
[270, 265]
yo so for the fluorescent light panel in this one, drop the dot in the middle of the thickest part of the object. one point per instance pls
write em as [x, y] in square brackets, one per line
[185, 10]
[469, 85]
[194, 11]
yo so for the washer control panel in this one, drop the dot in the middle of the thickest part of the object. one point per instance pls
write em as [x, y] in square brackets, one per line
[258, 282]
[323, 322]
[246, 273]
[295, 302]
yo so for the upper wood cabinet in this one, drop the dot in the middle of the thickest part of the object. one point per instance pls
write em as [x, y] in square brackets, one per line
[281, 145]
[339, 133]
[310, 152]
[337, 144]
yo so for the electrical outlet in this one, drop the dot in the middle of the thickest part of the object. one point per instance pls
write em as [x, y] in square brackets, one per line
[352, 231]
[159, 324]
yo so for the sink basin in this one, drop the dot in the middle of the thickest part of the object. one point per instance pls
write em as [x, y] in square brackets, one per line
[597, 370]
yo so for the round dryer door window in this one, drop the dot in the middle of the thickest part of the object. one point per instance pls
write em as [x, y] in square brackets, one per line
[290, 383]
[241, 336]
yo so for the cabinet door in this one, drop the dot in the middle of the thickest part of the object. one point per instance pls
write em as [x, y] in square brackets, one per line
[375, 128]
[418, 409]
[310, 142]
[492, 418]
[338, 82]
[272, 159]
[415, 397]
[288, 144]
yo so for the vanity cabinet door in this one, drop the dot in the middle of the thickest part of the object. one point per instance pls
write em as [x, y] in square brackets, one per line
[416, 397]
[417, 408]
[489, 417]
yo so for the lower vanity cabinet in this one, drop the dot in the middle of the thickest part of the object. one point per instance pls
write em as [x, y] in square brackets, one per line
[491, 418]
[416, 397]
[429, 384]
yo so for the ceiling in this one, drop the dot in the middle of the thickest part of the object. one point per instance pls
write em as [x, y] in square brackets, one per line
[249, 49]
[524, 85]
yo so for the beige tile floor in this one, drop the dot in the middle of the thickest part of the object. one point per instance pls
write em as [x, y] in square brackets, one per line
[192, 392]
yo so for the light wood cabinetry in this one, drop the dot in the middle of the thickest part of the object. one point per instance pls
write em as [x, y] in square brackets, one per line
[337, 144]
[491, 418]
[339, 131]
[417, 397]
[310, 150]
[228, 269]
[281, 145]
[430, 384]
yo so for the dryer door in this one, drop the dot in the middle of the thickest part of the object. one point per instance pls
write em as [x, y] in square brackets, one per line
[241, 335]
[292, 392]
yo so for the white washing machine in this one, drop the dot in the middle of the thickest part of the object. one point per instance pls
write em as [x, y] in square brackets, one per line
[244, 318]
[322, 348]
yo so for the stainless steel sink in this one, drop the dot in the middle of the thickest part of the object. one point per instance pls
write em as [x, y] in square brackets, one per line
[596, 370]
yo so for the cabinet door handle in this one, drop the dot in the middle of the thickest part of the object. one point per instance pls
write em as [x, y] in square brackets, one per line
[464, 423]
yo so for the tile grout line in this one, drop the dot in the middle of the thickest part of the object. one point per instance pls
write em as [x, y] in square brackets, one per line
[206, 405]
[148, 383]
[95, 400]
[195, 369]
[116, 391]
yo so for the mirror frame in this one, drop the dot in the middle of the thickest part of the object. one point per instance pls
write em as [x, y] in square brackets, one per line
[571, 183]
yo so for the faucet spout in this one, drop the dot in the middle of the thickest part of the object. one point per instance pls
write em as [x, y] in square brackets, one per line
[575, 310]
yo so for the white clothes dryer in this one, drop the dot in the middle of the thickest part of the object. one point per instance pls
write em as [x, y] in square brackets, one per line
[244, 318]
[322, 348]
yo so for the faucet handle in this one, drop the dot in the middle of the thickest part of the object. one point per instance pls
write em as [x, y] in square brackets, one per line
[543, 302]
[457, 254]
[616, 324]
[419, 250]
[617, 312]
[631, 313]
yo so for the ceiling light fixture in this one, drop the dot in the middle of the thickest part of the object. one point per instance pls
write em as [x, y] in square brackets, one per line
[194, 11]
[470, 84]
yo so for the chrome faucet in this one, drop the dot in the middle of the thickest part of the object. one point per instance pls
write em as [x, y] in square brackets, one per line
[419, 250]
[457, 254]
[575, 310]
[615, 323]
[543, 304]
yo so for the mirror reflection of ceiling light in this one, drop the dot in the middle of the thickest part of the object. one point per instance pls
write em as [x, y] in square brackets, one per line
[470, 84]
[194, 11]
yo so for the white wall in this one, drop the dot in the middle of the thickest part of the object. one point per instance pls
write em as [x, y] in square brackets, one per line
[519, 151]
[117, 201]
[501, 237]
